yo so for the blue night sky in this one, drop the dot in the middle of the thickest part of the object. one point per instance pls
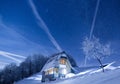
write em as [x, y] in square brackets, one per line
[68, 21]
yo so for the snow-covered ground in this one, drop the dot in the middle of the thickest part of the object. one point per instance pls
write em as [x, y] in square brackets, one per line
[91, 76]
[35, 79]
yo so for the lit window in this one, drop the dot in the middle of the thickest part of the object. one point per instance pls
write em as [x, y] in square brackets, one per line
[55, 70]
[64, 71]
[63, 61]
[51, 71]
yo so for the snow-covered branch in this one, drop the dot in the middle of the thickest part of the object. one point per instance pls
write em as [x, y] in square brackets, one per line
[92, 48]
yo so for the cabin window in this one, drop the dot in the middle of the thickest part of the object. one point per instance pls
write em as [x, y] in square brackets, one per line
[63, 61]
[55, 70]
[49, 71]
[64, 71]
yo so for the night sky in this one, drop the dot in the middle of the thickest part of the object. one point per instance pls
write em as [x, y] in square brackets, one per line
[68, 21]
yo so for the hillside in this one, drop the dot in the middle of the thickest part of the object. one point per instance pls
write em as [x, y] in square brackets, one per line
[94, 76]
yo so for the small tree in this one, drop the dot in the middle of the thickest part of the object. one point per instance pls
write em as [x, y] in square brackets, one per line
[92, 48]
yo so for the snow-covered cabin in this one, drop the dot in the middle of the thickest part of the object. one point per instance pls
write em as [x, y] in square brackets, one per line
[58, 66]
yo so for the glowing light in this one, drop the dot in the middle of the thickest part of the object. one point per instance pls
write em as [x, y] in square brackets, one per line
[64, 71]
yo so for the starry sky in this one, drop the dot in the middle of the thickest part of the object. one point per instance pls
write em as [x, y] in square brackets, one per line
[67, 21]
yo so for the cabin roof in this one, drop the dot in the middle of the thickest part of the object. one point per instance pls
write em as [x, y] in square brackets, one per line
[53, 60]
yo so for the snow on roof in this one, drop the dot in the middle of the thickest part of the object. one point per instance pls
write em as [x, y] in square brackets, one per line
[52, 62]
[49, 65]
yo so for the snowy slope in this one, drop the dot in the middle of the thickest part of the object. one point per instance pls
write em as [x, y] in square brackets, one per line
[35, 79]
[111, 77]
[92, 76]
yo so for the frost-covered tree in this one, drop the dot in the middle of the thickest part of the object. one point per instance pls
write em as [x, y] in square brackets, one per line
[92, 48]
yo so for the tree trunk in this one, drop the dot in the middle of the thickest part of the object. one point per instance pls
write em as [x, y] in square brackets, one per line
[85, 63]
[101, 64]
